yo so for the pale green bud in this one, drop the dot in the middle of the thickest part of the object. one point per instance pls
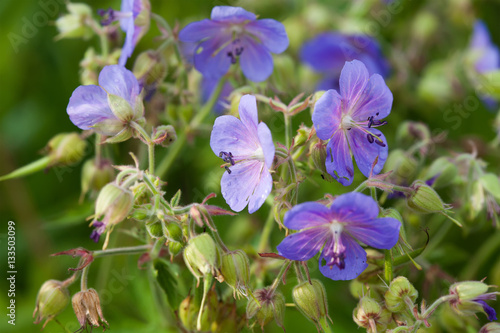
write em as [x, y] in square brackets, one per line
[424, 199]
[468, 290]
[150, 68]
[477, 199]
[403, 166]
[114, 203]
[75, 23]
[95, 175]
[318, 157]
[201, 256]
[52, 298]
[492, 327]
[371, 315]
[400, 294]
[310, 299]
[66, 149]
[235, 269]
[155, 229]
[164, 135]
[271, 305]
[173, 232]
[174, 248]
[303, 134]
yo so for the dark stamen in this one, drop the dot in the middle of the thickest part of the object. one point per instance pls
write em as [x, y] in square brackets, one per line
[227, 169]
[370, 121]
[108, 16]
[233, 58]
[380, 143]
[370, 138]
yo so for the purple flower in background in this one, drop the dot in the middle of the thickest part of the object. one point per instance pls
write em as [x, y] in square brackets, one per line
[134, 18]
[488, 56]
[351, 216]
[233, 33]
[109, 107]
[248, 150]
[207, 88]
[328, 52]
[348, 121]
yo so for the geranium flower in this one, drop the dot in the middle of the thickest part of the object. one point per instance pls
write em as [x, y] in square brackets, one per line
[134, 18]
[328, 52]
[351, 216]
[248, 150]
[348, 120]
[109, 107]
[487, 56]
[233, 33]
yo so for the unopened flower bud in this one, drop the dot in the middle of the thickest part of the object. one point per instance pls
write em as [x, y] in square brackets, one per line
[402, 165]
[271, 306]
[310, 299]
[424, 199]
[318, 156]
[188, 312]
[73, 24]
[87, 307]
[371, 316]
[202, 256]
[96, 174]
[236, 272]
[164, 135]
[150, 68]
[441, 173]
[302, 136]
[410, 131]
[141, 213]
[52, 298]
[471, 297]
[400, 294]
[154, 229]
[66, 149]
[173, 232]
[174, 248]
[490, 328]
[424, 25]
[114, 203]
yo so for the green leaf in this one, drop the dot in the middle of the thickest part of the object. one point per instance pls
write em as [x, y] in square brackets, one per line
[167, 282]
[175, 199]
[491, 183]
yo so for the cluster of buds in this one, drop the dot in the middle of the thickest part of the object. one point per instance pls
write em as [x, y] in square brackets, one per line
[267, 305]
[372, 316]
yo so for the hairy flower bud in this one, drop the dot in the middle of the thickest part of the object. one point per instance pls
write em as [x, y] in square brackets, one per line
[74, 24]
[235, 269]
[201, 256]
[173, 232]
[470, 297]
[310, 299]
[66, 149]
[150, 68]
[188, 311]
[318, 157]
[95, 175]
[87, 307]
[114, 203]
[303, 134]
[164, 135]
[370, 315]
[490, 328]
[424, 199]
[271, 305]
[52, 298]
[400, 294]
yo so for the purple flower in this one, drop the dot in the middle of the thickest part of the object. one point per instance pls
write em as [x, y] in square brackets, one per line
[351, 216]
[328, 52]
[134, 21]
[488, 56]
[248, 150]
[109, 107]
[207, 88]
[232, 33]
[348, 121]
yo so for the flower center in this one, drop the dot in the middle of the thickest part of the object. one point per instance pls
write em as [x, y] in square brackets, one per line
[110, 15]
[235, 51]
[335, 253]
[347, 123]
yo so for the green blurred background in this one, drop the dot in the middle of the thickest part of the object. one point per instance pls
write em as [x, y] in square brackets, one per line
[39, 74]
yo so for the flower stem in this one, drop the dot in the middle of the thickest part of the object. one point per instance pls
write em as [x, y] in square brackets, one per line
[84, 278]
[361, 187]
[151, 157]
[323, 323]
[268, 228]
[122, 251]
[175, 149]
[98, 149]
[288, 130]
[431, 309]
[388, 266]
[278, 278]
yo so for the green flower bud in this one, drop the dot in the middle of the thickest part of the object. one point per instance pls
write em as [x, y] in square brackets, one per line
[235, 269]
[52, 298]
[201, 256]
[402, 165]
[424, 199]
[318, 156]
[155, 229]
[87, 307]
[477, 199]
[490, 328]
[174, 248]
[435, 86]
[66, 149]
[96, 175]
[173, 232]
[141, 214]
[303, 134]
[188, 313]
[468, 290]
[271, 305]
[164, 135]
[443, 171]
[150, 68]
[74, 24]
[371, 316]
[409, 131]
[310, 299]
[114, 203]
[400, 293]
[424, 25]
